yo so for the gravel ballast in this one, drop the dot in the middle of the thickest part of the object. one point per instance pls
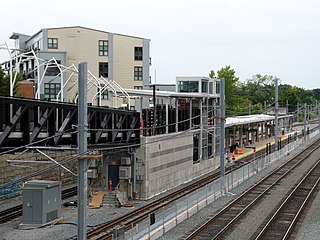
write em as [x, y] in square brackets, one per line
[9, 230]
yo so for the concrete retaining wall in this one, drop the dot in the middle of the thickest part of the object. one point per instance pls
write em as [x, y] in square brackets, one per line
[166, 161]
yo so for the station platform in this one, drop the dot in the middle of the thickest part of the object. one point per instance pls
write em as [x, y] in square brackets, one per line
[248, 150]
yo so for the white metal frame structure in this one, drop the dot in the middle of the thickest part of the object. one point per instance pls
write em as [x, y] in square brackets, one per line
[102, 84]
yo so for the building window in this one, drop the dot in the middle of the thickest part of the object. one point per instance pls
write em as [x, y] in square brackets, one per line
[36, 46]
[188, 86]
[52, 69]
[53, 43]
[104, 94]
[137, 73]
[138, 53]
[103, 48]
[137, 87]
[103, 69]
[218, 87]
[51, 90]
[210, 87]
[204, 86]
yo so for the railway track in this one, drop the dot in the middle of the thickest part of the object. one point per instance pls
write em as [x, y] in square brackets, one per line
[282, 222]
[16, 211]
[105, 230]
[218, 226]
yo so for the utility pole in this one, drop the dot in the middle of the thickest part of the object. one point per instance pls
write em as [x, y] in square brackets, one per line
[298, 111]
[305, 123]
[82, 148]
[276, 114]
[319, 115]
[222, 133]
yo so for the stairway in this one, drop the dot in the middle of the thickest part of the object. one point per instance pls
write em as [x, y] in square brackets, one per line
[110, 200]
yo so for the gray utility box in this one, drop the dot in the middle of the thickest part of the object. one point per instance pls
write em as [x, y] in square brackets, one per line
[41, 201]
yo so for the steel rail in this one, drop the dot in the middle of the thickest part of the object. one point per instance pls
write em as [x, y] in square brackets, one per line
[284, 219]
[227, 217]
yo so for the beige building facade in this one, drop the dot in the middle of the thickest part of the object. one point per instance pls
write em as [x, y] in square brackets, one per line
[121, 59]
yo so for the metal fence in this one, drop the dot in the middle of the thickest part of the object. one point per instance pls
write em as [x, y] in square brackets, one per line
[161, 221]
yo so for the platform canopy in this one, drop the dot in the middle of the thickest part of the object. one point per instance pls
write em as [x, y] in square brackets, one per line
[240, 120]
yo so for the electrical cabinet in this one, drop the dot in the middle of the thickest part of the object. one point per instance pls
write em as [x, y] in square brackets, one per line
[41, 201]
[124, 172]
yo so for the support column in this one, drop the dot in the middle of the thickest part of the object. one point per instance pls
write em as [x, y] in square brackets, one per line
[298, 112]
[276, 114]
[141, 117]
[319, 115]
[222, 131]
[167, 118]
[241, 134]
[247, 134]
[177, 114]
[305, 123]
[253, 135]
[201, 130]
[82, 149]
[190, 113]
[227, 139]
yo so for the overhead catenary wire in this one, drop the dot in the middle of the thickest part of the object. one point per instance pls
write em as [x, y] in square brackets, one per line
[36, 142]
[74, 157]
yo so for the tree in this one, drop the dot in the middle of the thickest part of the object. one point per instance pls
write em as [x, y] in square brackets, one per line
[258, 89]
[230, 87]
[316, 93]
[5, 83]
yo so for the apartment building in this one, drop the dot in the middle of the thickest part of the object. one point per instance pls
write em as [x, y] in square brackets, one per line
[124, 59]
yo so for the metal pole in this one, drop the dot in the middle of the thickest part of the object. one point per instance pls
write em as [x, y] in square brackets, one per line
[190, 114]
[305, 122]
[154, 109]
[222, 134]
[134, 176]
[201, 132]
[287, 107]
[298, 111]
[167, 118]
[177, 114]
[276, 114]
[142, 130]
[82, 148]
[319, 116]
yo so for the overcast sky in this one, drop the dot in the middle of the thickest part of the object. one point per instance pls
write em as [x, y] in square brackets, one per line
[189, 38]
